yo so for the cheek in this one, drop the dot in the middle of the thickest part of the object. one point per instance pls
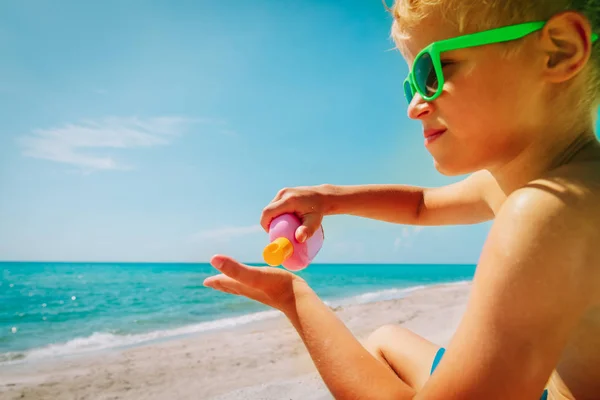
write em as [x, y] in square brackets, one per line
[484, 100]
[484, 114]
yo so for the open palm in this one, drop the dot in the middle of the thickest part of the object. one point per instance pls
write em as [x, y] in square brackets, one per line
[271, 286]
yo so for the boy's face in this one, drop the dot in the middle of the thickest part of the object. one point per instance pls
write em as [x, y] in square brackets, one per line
[488, 104]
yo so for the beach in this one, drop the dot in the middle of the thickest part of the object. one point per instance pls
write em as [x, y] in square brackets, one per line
[261, 360]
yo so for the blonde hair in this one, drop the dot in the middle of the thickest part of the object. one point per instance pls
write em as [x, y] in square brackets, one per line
[478, 15]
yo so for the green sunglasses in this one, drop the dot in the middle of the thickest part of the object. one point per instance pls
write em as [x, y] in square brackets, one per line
[427, 76]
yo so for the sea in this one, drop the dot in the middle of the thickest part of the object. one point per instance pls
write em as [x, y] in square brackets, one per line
[55, 309]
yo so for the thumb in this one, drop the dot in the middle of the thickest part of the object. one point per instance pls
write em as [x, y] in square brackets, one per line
[310, 223]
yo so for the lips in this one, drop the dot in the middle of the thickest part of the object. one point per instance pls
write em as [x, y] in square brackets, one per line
[432, 134]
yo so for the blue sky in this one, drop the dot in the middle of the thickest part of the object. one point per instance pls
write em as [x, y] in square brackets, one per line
[157, 131]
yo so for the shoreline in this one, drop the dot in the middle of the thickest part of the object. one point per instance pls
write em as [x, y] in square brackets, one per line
[260, 359]
[98, 342]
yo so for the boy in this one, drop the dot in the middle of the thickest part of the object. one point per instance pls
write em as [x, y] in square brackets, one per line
[514, 104]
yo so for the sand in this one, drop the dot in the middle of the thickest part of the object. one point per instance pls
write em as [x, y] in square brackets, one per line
[262, 360]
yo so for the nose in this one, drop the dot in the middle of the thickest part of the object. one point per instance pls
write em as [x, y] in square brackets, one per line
[419, 108]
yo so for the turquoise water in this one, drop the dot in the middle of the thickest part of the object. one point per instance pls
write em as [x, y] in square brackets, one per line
[54, 309]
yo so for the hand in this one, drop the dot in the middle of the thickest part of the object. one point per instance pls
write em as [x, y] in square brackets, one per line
[309, 203]
[274, 287]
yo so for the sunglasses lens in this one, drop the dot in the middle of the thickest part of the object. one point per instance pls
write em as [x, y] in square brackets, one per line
[425, 76]
[408, 91]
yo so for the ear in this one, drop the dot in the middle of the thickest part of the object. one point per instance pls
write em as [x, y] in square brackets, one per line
[567, 45]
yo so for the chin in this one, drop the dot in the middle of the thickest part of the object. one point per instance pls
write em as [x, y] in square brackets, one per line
[452, 169]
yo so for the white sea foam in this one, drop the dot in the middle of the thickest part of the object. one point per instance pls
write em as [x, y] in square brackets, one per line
[372, 297]
[387, 294]
[102, 340]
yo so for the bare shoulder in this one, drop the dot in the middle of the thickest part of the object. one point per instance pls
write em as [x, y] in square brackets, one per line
[563, 208]
[574, 190]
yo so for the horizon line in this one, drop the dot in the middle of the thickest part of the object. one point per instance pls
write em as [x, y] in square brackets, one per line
[208, 262]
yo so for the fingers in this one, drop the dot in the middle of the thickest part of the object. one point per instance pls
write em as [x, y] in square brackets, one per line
[270, 286]
[272, 211]
[213, 281]
[304, 202]
[310, 223]
[282, 203]
[229, 285]
[222, 283]
[250, 276]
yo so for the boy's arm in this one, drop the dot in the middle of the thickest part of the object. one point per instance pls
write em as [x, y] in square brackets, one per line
[345, 365]
[464, 202]
[347, 368]
[535, 280]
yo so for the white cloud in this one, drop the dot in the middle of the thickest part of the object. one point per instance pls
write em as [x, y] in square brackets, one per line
[397, 243]
[407, 234]
[226, 233]
[80, 144]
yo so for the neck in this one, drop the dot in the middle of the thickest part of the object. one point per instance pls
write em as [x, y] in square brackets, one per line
[554, 150]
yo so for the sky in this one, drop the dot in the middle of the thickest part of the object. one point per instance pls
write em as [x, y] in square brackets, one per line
[157, 131]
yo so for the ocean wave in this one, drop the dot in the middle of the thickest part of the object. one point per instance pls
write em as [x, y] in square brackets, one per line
[102, 340]
[11, 356]
[372, 297]
[386, 294]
